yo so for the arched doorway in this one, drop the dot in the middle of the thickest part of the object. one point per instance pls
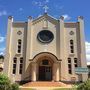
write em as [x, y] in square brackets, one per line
[45, 70]
[45, 67]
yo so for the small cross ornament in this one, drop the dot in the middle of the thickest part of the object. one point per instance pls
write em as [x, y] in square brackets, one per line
[45, 8]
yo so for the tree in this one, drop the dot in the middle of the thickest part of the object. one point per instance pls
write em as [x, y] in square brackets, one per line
[1, 57]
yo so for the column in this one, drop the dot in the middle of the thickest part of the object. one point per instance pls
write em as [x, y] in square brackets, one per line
[29, 42]
[56, 72]
[8, 58]
[82, 46]
[34, 71]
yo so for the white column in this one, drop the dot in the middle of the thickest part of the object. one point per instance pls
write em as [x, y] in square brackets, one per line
[34, 71]
[8, 58]
[29, 42]
[56, 72]
[82, 45]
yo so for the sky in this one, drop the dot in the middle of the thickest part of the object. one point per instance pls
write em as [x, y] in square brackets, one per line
[21, 9]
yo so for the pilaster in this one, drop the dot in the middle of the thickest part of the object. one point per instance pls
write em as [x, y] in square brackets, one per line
[29, 42]
[62, 50]
[7, 62]
[82, 46]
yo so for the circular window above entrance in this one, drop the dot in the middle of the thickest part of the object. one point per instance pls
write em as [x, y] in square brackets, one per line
[45, 36]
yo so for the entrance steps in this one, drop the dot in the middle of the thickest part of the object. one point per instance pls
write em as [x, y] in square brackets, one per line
[45, 84]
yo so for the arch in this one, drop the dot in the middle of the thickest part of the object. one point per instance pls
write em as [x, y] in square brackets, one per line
[46, 55]
[45, 72]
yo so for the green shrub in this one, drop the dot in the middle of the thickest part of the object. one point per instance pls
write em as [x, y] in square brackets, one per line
[5, 83]
[84, 86]
[15, 86]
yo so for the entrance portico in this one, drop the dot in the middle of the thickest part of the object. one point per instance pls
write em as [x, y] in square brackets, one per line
[45, 67]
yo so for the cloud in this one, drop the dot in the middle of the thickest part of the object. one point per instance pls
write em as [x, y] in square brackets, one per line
[2, 39]
[88, 58]
[87, 51]
[58, 7]
[3, 13]
[46, 1]
[2, 51]
[40, 4]
[66, 17]
[20, 9]
[87, 47]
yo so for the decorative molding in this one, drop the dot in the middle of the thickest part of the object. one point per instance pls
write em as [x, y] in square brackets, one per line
[71, 55]
[45, 23]
[81, 17]
[10, 17]
[71, 33]
[45, 27]
[19, 32]
[62, 17]
[17, 54]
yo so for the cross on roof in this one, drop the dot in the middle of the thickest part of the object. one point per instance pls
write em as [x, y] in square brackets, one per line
[45, 8]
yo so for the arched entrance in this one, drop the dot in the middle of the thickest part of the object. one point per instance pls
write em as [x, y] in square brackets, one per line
[45, 70]
[45, 67]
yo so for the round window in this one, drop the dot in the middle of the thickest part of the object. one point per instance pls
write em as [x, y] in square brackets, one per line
[19, 32]
[71, 33]
[45, 36]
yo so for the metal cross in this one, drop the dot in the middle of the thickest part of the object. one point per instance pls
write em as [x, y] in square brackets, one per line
[45, 8]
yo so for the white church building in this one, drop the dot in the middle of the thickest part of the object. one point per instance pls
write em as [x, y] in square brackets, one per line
[45, 49]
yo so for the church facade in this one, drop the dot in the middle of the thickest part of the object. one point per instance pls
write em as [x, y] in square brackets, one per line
[45, 49]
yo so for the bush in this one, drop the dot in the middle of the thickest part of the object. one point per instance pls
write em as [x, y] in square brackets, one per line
[84, 86]
[5, 83]
[15, 86]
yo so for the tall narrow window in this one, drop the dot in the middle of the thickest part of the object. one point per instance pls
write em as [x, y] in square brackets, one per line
[75, 62]
[69, 66]
[72, 46]
[19, 45]
[21, 66]
[14, 65]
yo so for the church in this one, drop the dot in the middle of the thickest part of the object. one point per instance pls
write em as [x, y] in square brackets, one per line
[45, 49]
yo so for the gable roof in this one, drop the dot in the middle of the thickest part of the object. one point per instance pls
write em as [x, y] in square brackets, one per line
[47, 17]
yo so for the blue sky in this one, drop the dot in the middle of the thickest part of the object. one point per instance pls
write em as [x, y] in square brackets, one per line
[21, 9]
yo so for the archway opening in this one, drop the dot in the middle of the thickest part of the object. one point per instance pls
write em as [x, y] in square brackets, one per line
[45, 70]
[45, 67]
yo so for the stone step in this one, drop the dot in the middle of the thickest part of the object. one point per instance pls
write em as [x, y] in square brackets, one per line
[45, 84]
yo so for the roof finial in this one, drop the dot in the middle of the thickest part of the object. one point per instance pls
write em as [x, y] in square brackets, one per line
[45, 8]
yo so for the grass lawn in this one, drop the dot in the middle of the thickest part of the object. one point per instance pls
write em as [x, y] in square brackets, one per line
[65, 89]
[53, 89]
